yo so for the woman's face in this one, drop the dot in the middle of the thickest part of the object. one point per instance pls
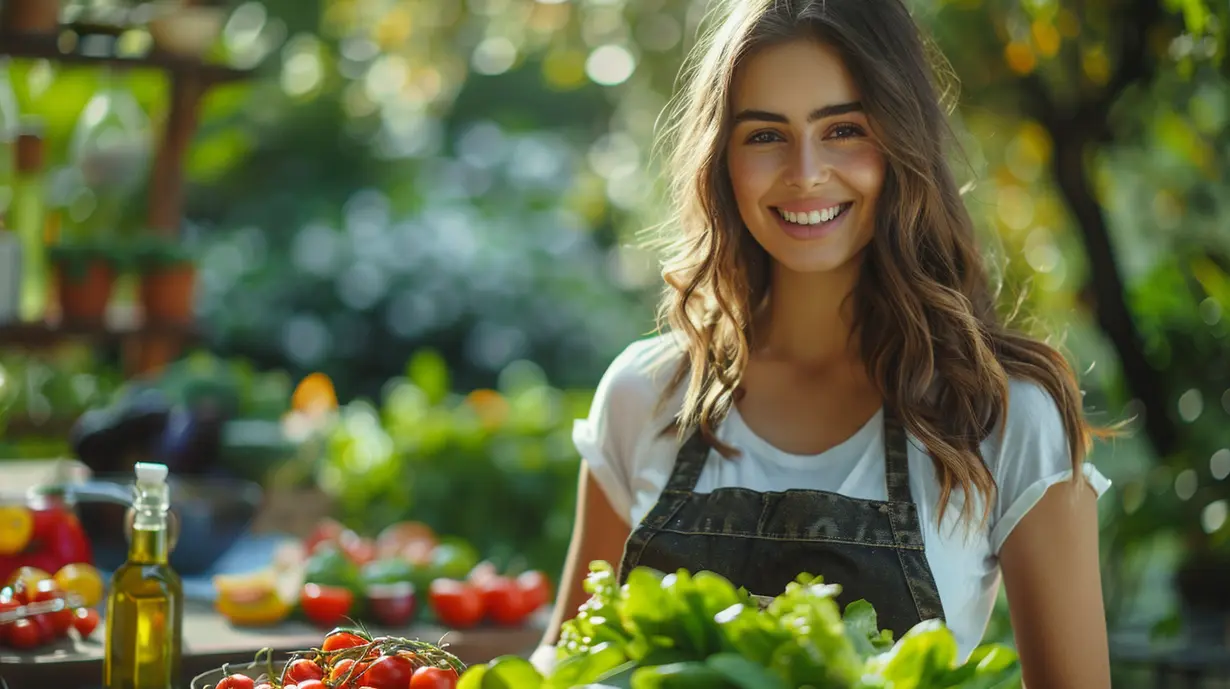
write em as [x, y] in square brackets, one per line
[805, 166]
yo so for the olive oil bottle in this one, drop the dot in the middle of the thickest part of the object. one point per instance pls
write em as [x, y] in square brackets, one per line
[145, 607]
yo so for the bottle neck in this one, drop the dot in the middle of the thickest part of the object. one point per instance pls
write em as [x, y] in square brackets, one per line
[149, 546]
[150, 538]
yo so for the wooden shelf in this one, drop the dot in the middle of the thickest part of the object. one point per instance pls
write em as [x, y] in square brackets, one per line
[34, 335]
[47, 48]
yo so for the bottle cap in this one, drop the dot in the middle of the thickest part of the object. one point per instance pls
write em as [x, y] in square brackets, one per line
[151, 473]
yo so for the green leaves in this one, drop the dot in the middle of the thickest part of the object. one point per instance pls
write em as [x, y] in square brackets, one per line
[679, 630]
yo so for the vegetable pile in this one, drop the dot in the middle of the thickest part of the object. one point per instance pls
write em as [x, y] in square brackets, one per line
[352, 659]
[335, 575]
[77, 586]
[681, 630]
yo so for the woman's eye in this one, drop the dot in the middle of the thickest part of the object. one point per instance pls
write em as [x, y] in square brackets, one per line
[845, 131]
[765, 137]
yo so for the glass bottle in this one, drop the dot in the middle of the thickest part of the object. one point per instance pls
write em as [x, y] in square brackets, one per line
[145, 606]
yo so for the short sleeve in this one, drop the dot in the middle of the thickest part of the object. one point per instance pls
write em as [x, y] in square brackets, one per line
[622, 418]
[1031, 457]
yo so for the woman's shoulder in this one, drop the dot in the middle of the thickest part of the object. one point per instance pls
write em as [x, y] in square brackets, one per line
[1033, 412]
[640, 374]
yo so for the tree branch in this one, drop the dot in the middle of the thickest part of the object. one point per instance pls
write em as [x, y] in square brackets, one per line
[1073, 129]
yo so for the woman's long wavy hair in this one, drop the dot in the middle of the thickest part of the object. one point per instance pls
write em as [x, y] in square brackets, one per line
[925, 315]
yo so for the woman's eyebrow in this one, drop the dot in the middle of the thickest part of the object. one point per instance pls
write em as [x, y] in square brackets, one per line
[817, 114]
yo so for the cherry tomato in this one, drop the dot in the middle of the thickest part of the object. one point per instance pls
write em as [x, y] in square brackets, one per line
[342, 670]
[85, 620]
[311, 684]
[325, 605]
[433, 678]
[406, 538]
[482, 572]
[358, 550]
[236, 681]
[46, 628]
[537, 589]
[326, 531]
[504, 601]
[392, 604]
[62, 621]
[456, 603]
[7, 604]
[300, 670]
[389, 672]
[265, 685]
[342, 638]
[24, 634]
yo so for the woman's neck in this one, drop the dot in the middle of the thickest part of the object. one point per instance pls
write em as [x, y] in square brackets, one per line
[807, 318]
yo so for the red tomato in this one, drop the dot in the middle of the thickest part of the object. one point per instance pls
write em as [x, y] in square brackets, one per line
[537, 589]
[504, 601]
[391, 604]
[456, 603]
[24, 634]
[310, 684]
[483, 571]
[342, 671]
[300, 670]
[46, 628]
[265, 685]
[405, 537]
[86, 621]
[6, 605]
[340, 638]
[62, 621]
[358, 549]
[325, 605]
[236, 681]
[326, 531]
[434, 678]
[389, 672]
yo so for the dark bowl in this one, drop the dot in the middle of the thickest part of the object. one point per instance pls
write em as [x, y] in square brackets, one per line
[206, 680]
[213, 513]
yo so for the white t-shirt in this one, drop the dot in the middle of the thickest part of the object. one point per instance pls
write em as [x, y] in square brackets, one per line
[631, 460]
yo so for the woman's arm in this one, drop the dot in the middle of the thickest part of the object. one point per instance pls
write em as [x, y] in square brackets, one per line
[1054, 587]
[599, 533]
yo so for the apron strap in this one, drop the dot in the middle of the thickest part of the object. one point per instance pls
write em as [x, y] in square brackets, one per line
[897, 460]
[689, 464]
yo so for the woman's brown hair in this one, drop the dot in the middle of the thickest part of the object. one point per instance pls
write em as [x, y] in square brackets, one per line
[925, 314]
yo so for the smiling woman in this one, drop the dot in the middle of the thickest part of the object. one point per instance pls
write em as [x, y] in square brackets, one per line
[835, 393]
[802, 172]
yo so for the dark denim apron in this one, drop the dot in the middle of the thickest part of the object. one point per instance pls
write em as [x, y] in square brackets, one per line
[762, 541]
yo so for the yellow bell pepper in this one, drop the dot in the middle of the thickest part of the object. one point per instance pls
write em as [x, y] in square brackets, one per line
[253, 600]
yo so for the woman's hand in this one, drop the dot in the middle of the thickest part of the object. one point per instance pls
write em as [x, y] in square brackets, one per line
[1054, 587]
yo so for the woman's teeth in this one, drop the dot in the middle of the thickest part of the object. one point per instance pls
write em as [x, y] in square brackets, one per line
[814, 217]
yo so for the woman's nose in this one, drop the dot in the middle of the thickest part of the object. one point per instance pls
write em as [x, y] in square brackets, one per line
[808, 167]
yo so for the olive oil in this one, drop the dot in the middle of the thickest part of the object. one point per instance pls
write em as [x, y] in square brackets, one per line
[145, 607]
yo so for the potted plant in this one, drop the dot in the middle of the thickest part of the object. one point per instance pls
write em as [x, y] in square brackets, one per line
[168, 281]
[84, 276]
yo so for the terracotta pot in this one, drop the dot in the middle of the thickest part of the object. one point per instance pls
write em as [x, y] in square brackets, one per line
[84, 298]
[167, 294]
[30, 17]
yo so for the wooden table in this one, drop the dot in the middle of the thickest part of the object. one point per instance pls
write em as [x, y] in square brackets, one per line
[209, 641]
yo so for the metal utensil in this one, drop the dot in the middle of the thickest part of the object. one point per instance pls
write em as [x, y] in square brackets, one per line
[22, 612]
